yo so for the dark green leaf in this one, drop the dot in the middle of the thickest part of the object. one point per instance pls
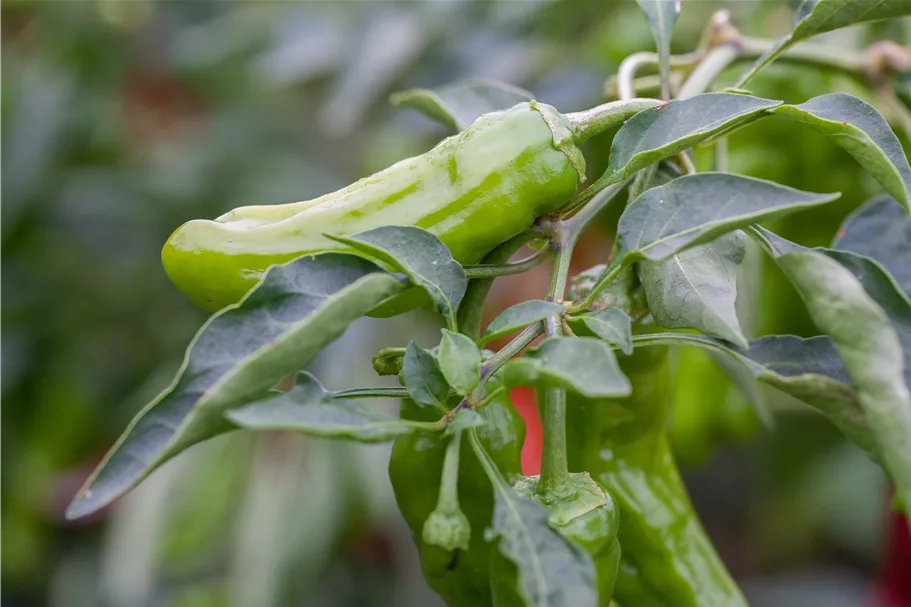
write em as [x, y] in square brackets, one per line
[459, 105]
[858, 128]
[311, 409]
[519, 316]
[868, 346]
[237, 355]
[820, 16]
[460, 361]
[699, 208]
[422, 257]
[880, 230]
[697, 288]
[584, 365]
[423, 378]
[661, 15]
[464, 419]
[552, 572]
[668, 129]
[610, 324]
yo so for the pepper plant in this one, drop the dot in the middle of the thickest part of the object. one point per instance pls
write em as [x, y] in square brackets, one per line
[608, 520]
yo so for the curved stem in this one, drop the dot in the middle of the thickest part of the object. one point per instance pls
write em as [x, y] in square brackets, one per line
[506, 269]
[597, 120]
[371, 393]
[516, 345]
[708, 70]
[578, 221]
[626, 73]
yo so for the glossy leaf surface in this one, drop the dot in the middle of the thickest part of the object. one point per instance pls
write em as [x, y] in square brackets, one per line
[423, 377]
[612, 325]
[460, 361]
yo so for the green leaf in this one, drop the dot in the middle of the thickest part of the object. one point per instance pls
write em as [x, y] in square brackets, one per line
[422, 257]
[464, 419]
[552, 572]
[876, 281]
[660, 132]
[584, 365]
[857, 127]
[699, 208]
[661, 15]
[460, 361]
[880, 230]
[423, 378]
[311, 409]
[610, 324]
[869, 348]
[237, 356]
[807, 369]
[819, 16]
[697, 288]
[458, 105]
[519, 316]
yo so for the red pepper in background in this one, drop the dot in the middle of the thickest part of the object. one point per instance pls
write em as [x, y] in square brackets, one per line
[523, 399]
[894, 588]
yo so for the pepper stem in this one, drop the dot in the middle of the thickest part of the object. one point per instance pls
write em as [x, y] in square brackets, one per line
[588, 123]
[448, 501]
[554, 466]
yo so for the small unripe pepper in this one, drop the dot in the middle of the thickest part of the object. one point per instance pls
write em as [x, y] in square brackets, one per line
[474, 191]
[585, 515]
[460, 576]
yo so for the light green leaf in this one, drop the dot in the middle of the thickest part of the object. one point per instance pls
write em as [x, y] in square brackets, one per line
[584, 365]
[421, 256]
[869, 348]
[423, 378]
[699, 208]
[661, 15]
[819, 16]
[552, 572]
[460, 361]
[610, 324]
[660, 132]
[519, 316]
[458, 105]
[880, 230]
[311, 409]
[237, 356]
[697, 288]
[862, 132]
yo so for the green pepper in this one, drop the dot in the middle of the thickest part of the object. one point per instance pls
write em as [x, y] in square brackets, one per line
[474, 191]
[586, 515]
[667, 560]
[461, 576]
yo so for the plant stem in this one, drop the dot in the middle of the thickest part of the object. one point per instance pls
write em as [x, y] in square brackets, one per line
[371, 393]
[554, 466]
[489, 397]
[506, 269]
[708, 70]
[578, 218]
[516, 345]
[448, 500]
[626, 73]
[597, 120]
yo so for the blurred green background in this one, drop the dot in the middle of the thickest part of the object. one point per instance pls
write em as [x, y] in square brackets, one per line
[121, 120]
